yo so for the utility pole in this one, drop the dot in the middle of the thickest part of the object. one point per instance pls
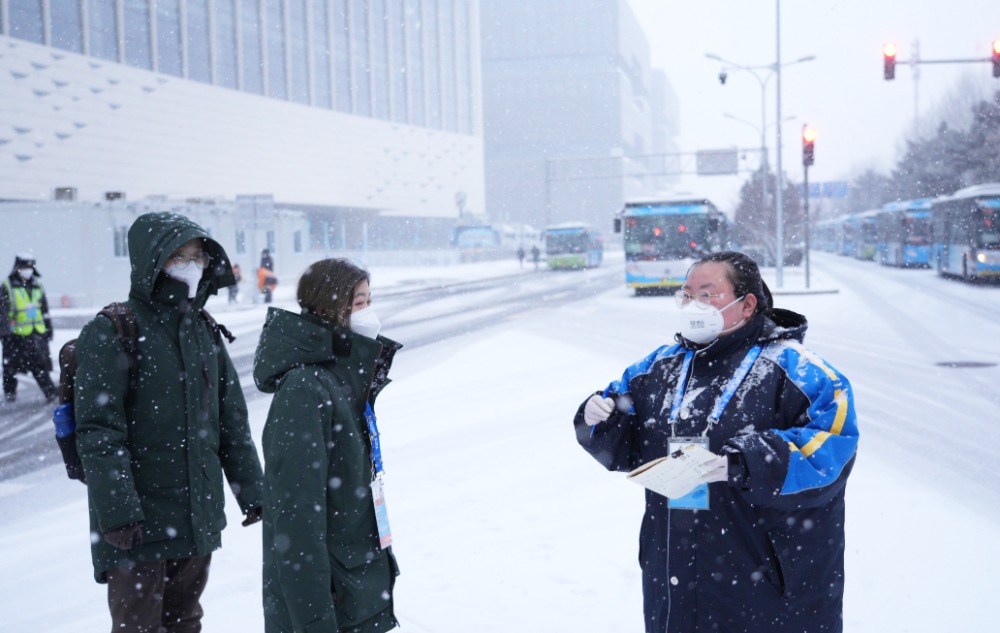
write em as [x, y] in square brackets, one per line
[916, 82]
[779, 211]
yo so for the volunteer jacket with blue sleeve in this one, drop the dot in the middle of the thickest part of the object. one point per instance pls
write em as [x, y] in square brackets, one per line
[768, 554]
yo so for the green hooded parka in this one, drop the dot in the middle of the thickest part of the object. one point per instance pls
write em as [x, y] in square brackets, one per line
[156, 454]
[324, 571]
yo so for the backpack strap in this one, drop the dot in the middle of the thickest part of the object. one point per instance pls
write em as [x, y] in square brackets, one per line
[128, 335]
[127, 330]
[67, 371]
[218, 330]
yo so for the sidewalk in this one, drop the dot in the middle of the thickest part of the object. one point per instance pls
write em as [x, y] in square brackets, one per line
[794, 280]
[386, 281]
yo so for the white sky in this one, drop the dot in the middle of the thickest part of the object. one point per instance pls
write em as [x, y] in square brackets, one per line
[503, 523]
[860, 118]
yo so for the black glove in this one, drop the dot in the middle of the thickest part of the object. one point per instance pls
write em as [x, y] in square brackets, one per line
[253, 515]
[126, 537]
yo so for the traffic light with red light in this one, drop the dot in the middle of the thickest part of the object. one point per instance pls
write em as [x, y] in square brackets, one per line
[996, 58]
[889, 61]
[808, 141]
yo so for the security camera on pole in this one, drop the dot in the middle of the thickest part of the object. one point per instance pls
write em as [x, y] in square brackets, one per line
[775, 71]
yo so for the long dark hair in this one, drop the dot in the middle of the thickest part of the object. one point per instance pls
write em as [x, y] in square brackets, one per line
[327, 289]
[743, 273]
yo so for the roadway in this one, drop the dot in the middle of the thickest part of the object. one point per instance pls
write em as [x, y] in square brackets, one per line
[920, 351]
[416, 317]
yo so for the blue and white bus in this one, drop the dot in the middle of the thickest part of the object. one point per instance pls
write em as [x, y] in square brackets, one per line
[827, 235]
[573, 245]
[845, 238]
[860, 235]
[904, 233]
[966, 230]
[476, 242]
[663, 238]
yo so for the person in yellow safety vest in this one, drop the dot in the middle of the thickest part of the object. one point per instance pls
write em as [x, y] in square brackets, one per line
[25, 329]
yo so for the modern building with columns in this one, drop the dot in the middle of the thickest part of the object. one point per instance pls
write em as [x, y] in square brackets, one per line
[363, 117]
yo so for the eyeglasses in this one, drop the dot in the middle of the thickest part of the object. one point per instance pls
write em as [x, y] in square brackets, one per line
[702, 299]
[183, 260]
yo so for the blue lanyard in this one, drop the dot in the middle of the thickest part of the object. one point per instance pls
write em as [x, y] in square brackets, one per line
[675, 408]
[377, 467]
[724, 398]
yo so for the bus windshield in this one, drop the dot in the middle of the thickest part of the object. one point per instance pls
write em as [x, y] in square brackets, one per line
[672, 236]
[559, 242]
[918, 231]
[988, 235]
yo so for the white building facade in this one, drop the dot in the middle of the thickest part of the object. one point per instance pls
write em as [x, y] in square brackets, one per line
[362, 115]
[82, 248]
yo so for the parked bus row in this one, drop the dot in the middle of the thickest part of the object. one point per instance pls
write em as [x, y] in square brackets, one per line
[958, 235]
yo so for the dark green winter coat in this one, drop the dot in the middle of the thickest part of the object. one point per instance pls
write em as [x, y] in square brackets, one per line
[156, 455]
[324, 571]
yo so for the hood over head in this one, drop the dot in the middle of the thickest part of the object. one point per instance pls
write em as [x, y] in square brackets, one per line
[153, 237]
[291, 340]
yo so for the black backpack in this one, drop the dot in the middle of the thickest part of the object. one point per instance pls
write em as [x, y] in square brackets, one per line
[128, 335]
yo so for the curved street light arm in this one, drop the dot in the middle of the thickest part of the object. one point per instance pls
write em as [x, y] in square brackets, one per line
[743, 121]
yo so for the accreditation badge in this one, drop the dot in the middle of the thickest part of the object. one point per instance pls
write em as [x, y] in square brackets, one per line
[381, 515]
[697, 499]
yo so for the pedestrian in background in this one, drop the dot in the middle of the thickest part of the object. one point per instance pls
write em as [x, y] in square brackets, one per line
[756, 544]
[536, 256]
[520, 255]
[266, 279]
[266, 261]
[234, 290]
[25, 329]
[328, 563]
[155, 451]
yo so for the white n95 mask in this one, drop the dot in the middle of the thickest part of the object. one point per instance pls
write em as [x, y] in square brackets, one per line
[704, 324]
[191, 275]
[26, 273]
[365, 322]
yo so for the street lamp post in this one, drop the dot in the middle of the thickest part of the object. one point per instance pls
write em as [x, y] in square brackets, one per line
[774, 69]
[779, 271]
[763, 149]
[764, 164]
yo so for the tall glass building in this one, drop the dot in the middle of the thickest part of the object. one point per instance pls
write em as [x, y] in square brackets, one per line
[576, 120]
[357, 110]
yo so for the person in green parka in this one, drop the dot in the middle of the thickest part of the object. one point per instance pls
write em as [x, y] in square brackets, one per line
[328, 565]
[154, 454]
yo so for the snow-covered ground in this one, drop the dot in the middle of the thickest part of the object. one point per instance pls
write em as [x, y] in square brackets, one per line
[502, 523]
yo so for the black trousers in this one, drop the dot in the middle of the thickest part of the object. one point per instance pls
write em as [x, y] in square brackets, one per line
[27, 354]
[158, 597]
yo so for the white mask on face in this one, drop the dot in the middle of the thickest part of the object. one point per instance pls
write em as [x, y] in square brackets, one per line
[25, 273]
[704, 325]
[190, 275]
[365, 322]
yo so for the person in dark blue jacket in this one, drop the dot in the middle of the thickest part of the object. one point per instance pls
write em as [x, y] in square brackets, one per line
[757, 545]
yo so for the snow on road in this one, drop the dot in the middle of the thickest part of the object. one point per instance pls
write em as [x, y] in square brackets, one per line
[503, 523]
